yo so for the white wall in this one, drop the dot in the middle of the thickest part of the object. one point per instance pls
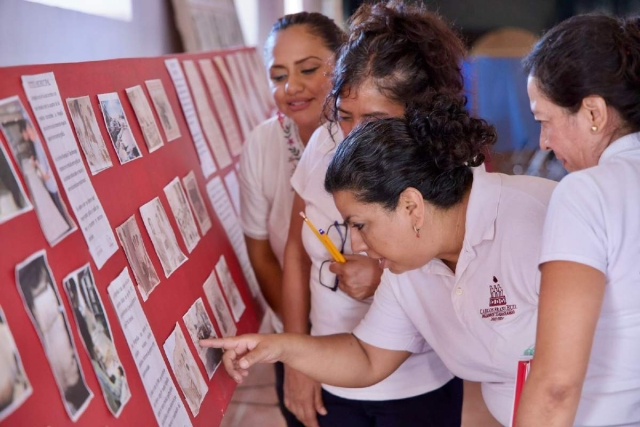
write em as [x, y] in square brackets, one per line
[258, 16]
[32, 33]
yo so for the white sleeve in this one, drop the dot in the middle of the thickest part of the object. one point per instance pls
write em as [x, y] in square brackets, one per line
[386, 325]
[574, 228]
[254, 206]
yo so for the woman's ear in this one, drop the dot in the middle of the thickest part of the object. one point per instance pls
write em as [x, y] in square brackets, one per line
[597, 112]
[411, 205]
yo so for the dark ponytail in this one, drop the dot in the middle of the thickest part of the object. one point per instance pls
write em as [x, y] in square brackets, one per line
[591, 55]
[431, 150]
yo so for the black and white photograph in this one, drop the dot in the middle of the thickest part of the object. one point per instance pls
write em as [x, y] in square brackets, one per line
[95, 332]
[15, 387]
[182, 213]
[197, 202]
[162, 236]
[141, 265]
[184, 367]
[200, 327]
[44, 306]
[31, 159]
[118, 128]
[89, 135]
[13, 200]
[230, 288]
[147, 122]
[219, 307]
[163, 109]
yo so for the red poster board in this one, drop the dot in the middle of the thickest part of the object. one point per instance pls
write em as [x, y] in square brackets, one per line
[122, 189]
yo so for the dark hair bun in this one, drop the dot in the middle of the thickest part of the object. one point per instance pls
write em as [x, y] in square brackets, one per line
[431, 149]
[450, 136]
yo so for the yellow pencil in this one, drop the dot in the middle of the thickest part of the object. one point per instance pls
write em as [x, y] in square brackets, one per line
[335, 253]
[325, 240]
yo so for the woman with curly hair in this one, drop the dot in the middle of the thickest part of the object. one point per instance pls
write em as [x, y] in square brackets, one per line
[459, 247]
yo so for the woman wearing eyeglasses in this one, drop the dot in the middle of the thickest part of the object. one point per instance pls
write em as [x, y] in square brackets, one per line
[397, 55]
[300, 54]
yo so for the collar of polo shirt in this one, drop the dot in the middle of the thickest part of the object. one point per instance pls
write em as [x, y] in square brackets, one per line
[480, 222]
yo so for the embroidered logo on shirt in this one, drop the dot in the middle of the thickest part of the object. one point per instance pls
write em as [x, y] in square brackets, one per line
[292, 139]
[498, 307]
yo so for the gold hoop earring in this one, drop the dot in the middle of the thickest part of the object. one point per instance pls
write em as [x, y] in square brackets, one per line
[594, 128]
[417, 231]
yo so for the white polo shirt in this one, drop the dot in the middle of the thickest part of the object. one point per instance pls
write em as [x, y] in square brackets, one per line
[481, 319]
[334, 312]
[594, 219]
[268, 159]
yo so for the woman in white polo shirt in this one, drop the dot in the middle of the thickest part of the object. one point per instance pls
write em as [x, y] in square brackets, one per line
[584, 86]
[460, 247]
[300, 53]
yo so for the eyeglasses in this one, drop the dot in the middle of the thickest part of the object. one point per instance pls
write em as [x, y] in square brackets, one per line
[337, 233]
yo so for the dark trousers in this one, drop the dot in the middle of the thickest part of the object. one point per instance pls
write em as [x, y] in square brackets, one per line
[291, 419]
[438, 408]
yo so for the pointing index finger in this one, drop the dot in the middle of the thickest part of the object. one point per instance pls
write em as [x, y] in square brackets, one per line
[223, 343]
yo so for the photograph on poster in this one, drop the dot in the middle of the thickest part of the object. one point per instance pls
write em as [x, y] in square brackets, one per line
[141, 107]
[193, 386]
[89, 135]
[200, 327]
[118, 128]
[197, 202]
[143, 270]
[162, 236]
[44, 306]
[230, 288]
[15, 387]
[13, 200]
[218, 306]
[95, 332]
[182, 213]
[29, 154]
[163, 109]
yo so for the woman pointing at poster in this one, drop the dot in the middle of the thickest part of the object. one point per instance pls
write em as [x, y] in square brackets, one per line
[459, 246]
[397, 55]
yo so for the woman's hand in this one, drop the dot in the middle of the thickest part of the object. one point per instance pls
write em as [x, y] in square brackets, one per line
[244, 351]
[303, 397]
[359, 277]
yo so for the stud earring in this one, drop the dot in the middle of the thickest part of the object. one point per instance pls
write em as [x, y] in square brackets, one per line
[417, 231]
[594, 128]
